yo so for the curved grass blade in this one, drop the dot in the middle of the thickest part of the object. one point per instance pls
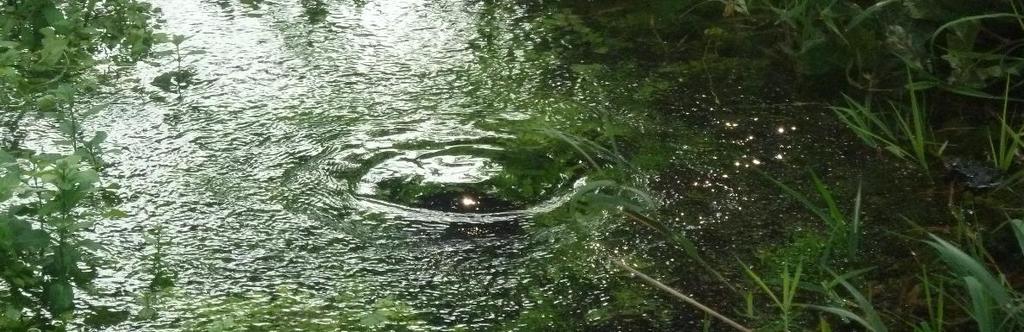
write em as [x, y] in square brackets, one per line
[870, 319]
[1018, 228]
[981, 307]
[968, 266]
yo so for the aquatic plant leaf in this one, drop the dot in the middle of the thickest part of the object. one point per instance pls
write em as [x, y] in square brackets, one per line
[178, 39]
[160, 38]
[9, 183]
[146, 313]
[12, 313]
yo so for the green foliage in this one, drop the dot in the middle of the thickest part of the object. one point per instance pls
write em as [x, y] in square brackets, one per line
[1018, 231]
[42, 255]
[904, 133]
[843, 231]
[48, 49]
[829, 36]
[47, 45]
[296, 310]
[783, 300]
[1005, 150]
[934, 296]
[944, 42]
[868, 318]
[898, 53]
[993, 303]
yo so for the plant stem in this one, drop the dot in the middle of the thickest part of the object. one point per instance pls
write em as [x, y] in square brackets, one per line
[677, 294]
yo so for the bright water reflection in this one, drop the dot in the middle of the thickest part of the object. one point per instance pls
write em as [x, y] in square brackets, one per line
[269, 174]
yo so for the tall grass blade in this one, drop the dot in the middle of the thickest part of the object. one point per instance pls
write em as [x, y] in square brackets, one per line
[844, 314]
[853, 235]
[906, 136]
[952, 23]
[1010, 143]
[640, 200]
[790, 284]
[1018, 228]
[575, 145]
[935, 301]
[760, 283]
[867, 13]
[869, 127]
[836, 218]
[917, 134]
[870, 318]
[801, 198]
[981, 307]
[968, 266]
[844, 231]
[871, 315]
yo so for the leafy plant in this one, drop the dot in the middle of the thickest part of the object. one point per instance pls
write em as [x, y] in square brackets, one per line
[47, 51]
[42, 254]
[47, 46]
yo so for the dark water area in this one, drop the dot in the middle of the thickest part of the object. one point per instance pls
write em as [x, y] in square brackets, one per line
[362, 165]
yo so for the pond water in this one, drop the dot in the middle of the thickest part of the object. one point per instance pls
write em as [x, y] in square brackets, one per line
[295, 162]
[360, 163]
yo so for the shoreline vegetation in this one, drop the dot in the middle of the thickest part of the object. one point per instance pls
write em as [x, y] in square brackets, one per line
[932, 85]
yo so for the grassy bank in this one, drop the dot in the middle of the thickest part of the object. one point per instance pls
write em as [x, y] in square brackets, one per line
[931, 87]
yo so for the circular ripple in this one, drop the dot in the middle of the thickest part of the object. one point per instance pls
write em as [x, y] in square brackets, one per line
[465, 179]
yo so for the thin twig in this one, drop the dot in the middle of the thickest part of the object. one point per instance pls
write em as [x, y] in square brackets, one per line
[675, 242]
[673, 292]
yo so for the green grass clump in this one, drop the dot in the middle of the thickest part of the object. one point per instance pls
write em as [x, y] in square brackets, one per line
[1005, 150]
[783, 299]
[992, 303]
[843, 230]
[903, 132]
